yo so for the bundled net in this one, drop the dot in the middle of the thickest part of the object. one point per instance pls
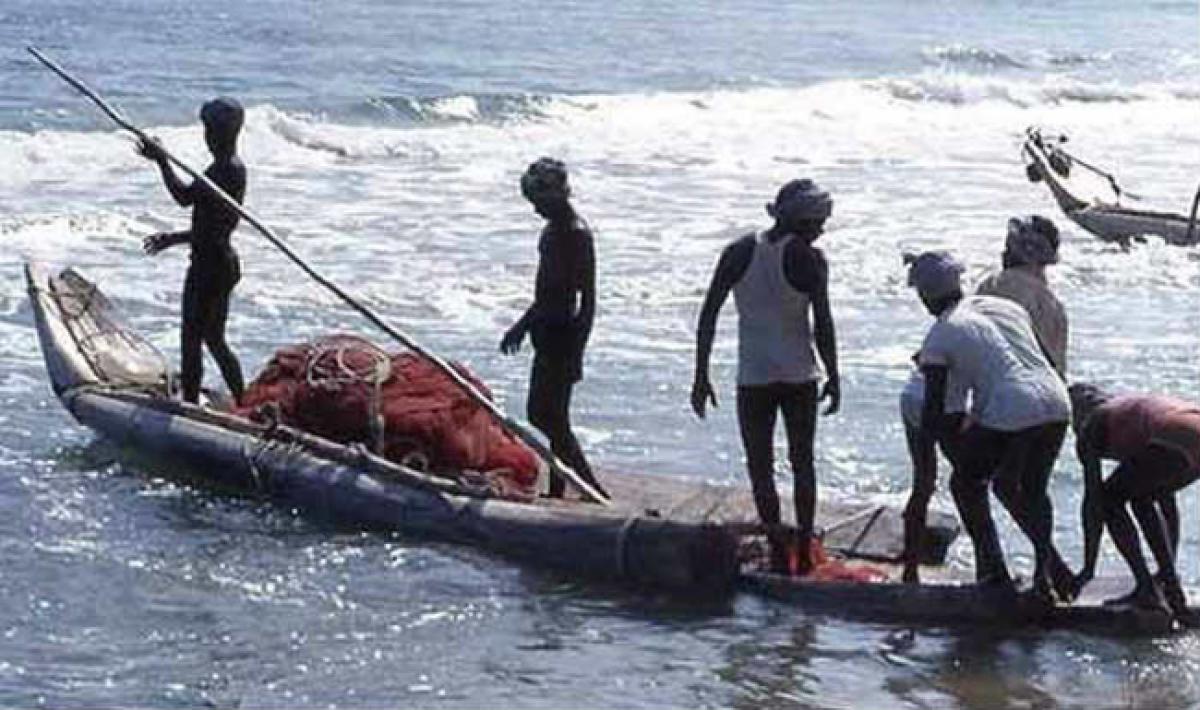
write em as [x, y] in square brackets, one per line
[755, 555]
[831, 569]
[346, 389]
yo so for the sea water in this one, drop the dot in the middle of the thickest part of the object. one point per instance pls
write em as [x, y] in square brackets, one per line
[384, 142]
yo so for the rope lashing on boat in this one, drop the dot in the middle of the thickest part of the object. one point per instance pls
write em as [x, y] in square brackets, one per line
[251, 458]
[623, 546]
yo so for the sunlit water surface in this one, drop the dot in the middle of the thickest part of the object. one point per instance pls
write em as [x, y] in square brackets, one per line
[385, 143]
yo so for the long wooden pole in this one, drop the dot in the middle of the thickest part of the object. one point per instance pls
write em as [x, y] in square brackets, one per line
[557, 467]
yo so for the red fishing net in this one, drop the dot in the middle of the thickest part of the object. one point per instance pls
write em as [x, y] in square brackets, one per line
[829, 569]
[756, 556]
[346, 389]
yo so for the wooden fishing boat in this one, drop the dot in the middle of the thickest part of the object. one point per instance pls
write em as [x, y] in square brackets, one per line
[675, 536]
[946, 601]
[1097, 208]
[662, 533]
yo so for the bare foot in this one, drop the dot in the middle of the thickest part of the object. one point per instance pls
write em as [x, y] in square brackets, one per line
[1177, 602]
[1064, 584]
[1141, 597]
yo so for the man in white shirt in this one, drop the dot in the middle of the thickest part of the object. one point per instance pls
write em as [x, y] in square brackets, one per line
[1018, 416]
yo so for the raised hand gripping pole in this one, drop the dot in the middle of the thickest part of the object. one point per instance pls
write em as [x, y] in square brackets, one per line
[557, 467]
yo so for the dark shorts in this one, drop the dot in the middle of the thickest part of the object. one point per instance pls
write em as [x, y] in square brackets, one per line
[557, 352]
[1028, 454]
[758, 406]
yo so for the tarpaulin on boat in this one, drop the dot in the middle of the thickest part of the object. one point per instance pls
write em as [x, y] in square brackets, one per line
[346, 389]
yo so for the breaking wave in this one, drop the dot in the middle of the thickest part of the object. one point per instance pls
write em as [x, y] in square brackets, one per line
[968, 57]
[497, 108]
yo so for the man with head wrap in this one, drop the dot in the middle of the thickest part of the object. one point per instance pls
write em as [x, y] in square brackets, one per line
[1030, 246]
[559, 320]
[214, 268]
[1019, 412]
[777, 277]
[1156, 442]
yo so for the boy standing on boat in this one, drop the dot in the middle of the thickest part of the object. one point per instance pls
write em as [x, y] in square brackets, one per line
[777, 277]
[214, 268]
[1019, 411]
[560, 319]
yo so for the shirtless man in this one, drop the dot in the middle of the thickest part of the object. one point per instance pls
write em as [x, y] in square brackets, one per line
[1155, 441]
[1019, 411]
[777, 277]
[559, 320]
[214, 268]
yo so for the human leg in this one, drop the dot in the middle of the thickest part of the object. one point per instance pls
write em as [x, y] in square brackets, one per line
[1170, 512]
[1119, 490]
[799, 406]
[191, 339]
[757, 408]
[1041, 447]
[969, 483]
[549, 410]
[215, 316]
[1162, 472]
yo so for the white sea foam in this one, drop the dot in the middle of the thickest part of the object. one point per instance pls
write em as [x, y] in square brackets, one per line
[427, 223]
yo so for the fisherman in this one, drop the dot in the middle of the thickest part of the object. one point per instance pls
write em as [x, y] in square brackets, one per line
[559, 321]
[777, 277]
[1030, 246]
[214, 268]
[1019, 411]
[1155, 441]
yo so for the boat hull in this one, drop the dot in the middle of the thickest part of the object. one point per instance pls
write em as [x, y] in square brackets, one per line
[1106, 219]
[614, 546]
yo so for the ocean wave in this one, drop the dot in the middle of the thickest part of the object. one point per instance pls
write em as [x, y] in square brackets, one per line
[967, 56]
[491, 108]
[660, 122]
[314, 134]
[965, 89]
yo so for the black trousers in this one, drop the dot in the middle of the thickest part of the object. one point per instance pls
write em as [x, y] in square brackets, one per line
[1024, 460]
[758, 407]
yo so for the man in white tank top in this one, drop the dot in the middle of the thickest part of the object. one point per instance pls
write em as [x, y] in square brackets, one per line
[777, 277]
